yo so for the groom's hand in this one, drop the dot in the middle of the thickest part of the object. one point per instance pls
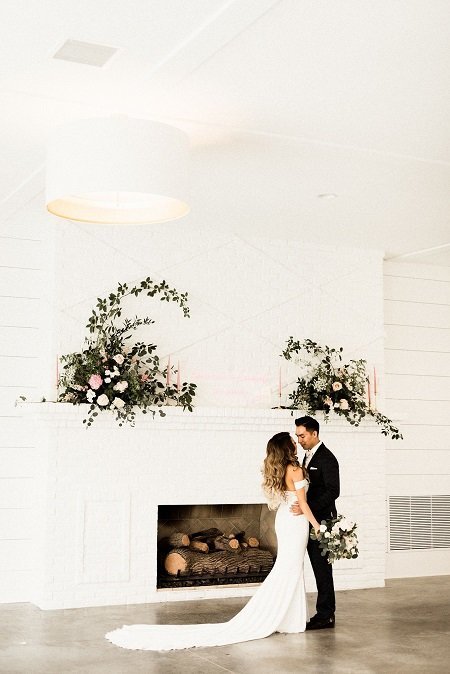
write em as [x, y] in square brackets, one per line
[295, 508]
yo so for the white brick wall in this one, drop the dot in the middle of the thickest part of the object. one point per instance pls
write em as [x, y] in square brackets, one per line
[99, 511]
[247, 297]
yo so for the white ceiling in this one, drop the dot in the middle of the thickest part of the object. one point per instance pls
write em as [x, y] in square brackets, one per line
[283, 100]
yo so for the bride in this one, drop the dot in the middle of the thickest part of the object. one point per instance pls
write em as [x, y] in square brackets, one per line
[279, 604]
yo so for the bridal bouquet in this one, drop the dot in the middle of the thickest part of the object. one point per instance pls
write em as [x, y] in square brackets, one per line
[337, 539]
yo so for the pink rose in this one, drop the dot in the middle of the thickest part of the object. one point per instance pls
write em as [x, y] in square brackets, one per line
[343, 404]
[95, 381]
[144, 377]
[336, 386]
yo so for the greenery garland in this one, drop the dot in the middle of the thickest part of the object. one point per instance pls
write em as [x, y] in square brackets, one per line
[330, 385]
[110, 374]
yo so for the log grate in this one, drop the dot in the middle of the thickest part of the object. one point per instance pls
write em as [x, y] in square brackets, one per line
[202, 579]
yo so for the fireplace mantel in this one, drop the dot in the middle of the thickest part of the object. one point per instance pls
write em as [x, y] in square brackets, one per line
[101, 487]
[66, 414]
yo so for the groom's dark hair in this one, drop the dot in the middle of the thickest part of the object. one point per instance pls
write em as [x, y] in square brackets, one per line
[309, 423]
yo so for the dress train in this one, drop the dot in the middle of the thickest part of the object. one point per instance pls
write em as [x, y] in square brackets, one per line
[279, 604]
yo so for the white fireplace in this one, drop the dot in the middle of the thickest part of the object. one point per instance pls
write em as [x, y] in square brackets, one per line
[100, 488]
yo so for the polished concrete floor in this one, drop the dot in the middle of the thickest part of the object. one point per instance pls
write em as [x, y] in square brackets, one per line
[404, 627]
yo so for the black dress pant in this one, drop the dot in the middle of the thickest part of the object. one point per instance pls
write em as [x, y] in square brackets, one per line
[323, 572]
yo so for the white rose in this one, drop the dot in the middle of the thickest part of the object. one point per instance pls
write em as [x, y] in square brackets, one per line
[327, 534]
[322, 528]
[120, 386]
[118, 402]
[90, 395]
[343, 404]
[118, 358]
[103, 400]
[107, 380]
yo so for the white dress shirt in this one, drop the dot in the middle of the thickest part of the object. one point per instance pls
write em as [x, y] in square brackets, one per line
[310, 453]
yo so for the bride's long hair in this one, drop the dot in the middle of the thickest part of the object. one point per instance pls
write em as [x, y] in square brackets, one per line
[281, 451]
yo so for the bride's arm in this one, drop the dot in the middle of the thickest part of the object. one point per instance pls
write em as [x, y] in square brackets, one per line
[294, 475]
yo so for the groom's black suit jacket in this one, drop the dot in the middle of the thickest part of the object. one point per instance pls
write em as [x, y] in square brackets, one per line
[323, 471]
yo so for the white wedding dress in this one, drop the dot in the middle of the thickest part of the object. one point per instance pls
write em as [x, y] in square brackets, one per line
[279, 604]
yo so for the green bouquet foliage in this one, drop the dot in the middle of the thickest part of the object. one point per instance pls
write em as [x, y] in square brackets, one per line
[337, 539]
[111, 374]
[328, 384]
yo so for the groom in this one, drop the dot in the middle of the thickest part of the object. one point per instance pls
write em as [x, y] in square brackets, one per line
[323, 473]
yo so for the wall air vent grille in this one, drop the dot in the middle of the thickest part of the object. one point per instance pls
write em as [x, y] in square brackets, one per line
[419, 522]
[87, 53]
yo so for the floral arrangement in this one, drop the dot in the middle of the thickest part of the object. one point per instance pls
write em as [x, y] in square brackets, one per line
[109, 374]
[328, 384]
[337, 539]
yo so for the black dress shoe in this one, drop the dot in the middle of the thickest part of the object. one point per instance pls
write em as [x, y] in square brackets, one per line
[320, 624]
[319, 618]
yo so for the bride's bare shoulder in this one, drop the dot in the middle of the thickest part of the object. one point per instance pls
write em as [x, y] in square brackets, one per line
[295, 471]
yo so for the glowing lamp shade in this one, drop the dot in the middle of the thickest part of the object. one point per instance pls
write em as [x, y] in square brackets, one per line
[117, 171]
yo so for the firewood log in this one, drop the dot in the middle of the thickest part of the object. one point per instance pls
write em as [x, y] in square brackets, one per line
[251, 541]
[175, 540]
[200, 546]
[224, 543]
[207, 533]
[179, 539]
[183, 560]
[215, 539]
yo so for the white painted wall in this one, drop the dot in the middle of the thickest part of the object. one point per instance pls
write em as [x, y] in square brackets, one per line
[417, 320]
[26, 289]
[247, 297]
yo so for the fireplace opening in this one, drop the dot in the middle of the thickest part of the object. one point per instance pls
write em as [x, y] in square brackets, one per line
[216, 544]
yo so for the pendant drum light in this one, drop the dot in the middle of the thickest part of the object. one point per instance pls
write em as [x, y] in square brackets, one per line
[117, 170]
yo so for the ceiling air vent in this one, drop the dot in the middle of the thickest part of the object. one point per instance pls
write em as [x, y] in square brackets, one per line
[419, 522]
[87, 53]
